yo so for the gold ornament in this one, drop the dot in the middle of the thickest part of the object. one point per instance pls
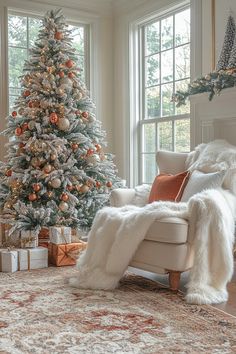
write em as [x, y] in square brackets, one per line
[84, 189]
[47, 168]
[56, 183]
[63, 124]
[53, 157]
[63, 206]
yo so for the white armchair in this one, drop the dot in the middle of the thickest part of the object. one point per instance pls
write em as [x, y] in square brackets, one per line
[167, 245]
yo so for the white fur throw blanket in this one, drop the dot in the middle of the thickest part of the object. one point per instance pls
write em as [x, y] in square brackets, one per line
[117, 232]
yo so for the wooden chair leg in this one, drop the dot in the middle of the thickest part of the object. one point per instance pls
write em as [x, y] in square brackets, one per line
[174, 280]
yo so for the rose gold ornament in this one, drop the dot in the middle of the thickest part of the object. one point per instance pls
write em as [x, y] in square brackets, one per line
[90, 152]
[32, 197]
[85, 115]
[53, 118]
[74, 146]
[109, 184]
[69, 63]
[8, 173]
[30, 104]
[18, 131]
[64, 197]
[58, 35]
[71, 75]
[98, 147]
[26, 93]
[98, 184]
[61, 74]
[36, 187]
[14, 114]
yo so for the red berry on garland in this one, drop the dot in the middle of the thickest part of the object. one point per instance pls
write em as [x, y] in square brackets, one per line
[85, 115]
[58, 35]
[69, 63]
[26, 93]
[64, 197]
[61, 74]
[71, 75]
[18, 131]
[109, 184]
[8, 173]
[32, 197]
[53, 118]
[14, 114]
[36, 187]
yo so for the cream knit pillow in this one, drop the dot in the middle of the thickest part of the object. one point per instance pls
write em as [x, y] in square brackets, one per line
[200, 181]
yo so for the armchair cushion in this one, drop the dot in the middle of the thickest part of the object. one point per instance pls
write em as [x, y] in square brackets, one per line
[168, 187]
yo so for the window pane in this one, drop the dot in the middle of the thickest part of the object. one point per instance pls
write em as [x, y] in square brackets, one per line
[165, 136]
[152, 70]
[152, 38]
[182, 85]
[149, 138]
[17, 30]
[153, 102]
[34, 26]
[167, 66]
[77, 34]
[16, 59]
[14, 91]
[182, 27]
[12, 102]
[182, 135]
[166, 95]
[149, 168]
[167, 33]
[182, 62]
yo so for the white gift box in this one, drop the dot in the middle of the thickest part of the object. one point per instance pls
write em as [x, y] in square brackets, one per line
[29, 239]
[32, 258]
[60, 234]
[8, 261]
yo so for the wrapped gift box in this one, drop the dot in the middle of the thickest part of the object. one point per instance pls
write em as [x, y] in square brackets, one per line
[8, 261]
[29, 239]
[44, 243]
[44, 234]
[63, 255]
[60, 235]
[33, 258]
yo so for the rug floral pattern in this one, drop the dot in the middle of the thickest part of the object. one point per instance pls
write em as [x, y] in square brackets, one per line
[40, 314]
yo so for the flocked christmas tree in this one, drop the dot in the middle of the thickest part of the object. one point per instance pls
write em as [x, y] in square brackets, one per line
[232, 59]
[56, 171]
[230, 32]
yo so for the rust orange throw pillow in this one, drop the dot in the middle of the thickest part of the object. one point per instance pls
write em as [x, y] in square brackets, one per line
[168, 187]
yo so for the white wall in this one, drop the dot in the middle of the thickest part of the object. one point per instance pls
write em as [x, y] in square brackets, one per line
[96, 13]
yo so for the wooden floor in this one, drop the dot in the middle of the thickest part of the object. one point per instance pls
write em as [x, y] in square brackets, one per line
[229, 306]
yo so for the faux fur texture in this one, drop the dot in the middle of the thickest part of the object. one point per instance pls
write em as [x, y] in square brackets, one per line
[117, 232]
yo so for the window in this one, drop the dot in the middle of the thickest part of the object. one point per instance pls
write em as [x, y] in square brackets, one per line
[22, 33]
[164, 69]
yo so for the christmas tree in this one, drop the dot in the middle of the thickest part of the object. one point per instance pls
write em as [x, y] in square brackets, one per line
[227, 44]
[56, 171]
[232, 59]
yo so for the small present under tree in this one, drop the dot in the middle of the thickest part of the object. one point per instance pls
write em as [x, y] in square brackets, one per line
[230, 32]
[56, 171]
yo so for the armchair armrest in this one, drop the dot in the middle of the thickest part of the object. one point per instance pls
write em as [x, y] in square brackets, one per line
[122, 196]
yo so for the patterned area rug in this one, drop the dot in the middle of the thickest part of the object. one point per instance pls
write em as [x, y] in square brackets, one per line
[40, 314]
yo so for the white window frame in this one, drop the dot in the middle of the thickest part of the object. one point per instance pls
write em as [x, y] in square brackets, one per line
[136, 95]
[87, 36]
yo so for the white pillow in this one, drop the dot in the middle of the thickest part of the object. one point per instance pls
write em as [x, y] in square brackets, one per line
[200, 181]
[141, 195]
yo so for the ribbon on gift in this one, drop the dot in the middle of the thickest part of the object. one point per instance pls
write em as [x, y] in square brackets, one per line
[28, 259]
[29, 239]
